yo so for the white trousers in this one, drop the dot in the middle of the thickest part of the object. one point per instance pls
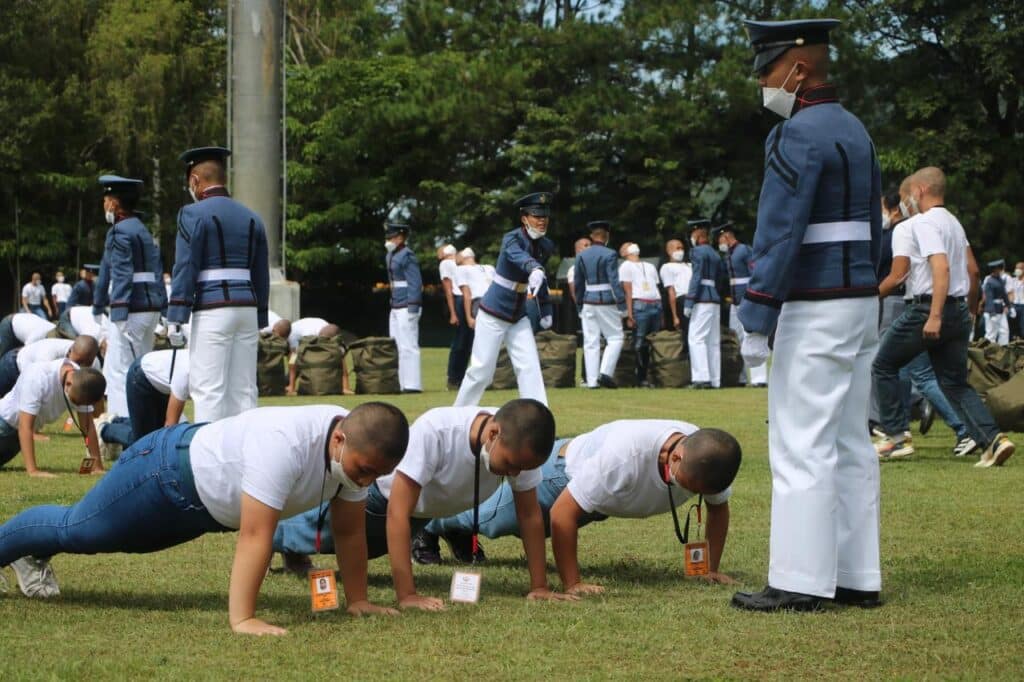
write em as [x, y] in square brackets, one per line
[705, 339]
[753, 375]
[491, 333]
[598, 321]
[404, 328]
[997, 329]
[122, 350]
[222, 362]
[825, 483]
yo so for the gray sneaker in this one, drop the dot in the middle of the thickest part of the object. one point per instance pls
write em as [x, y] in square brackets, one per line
[35, 577]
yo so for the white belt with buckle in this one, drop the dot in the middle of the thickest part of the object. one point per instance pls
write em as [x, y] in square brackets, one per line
[708, 282]
[518, 287]
[240, 274]
[399, 284]
[143, 277]
[842, 231]
[599, 287]
[739, 280]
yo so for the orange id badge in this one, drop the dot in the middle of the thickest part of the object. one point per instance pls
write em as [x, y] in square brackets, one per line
[86, 466]
[695, 559]
[323, 590]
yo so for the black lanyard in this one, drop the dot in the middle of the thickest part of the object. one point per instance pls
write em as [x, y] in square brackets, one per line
[71, 413]
[322, 514]
[476, 448]
[682, 535]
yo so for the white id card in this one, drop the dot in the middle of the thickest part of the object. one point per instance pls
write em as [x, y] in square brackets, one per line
[465, 587]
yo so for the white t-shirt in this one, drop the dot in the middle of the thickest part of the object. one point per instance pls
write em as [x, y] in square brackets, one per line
[81, 319]
[156, 365]
[677, 275]
[570, 274]
[614, 470]
[447, 268]
[29, 327]
[476, 277]
[305, 326]
[273, 454]
[440, 460]
[643, 277]
[44, 350]
[272, 319]
[39, 391]
[33, 293]
[61, 291]
[1016, 288]
[926, 234]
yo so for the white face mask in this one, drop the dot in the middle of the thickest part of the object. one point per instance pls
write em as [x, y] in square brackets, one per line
[390, 245]
[909, 207]
[724, 248]
[693, 241]
[632, 250]
[678, 256]
[485, 457]
[339, 475]
[534, 233]
[886, 221]
[778, 100]
[60, 279]
[109, 215]
[1018, 272]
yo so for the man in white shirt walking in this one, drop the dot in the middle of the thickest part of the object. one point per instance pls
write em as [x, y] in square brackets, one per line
[643, 305]
[33, 298]
[61, 292]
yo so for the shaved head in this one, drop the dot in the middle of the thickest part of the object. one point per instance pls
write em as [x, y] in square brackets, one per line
[84, 350]
[282, 328]
[932, 180]
[330, 330]
[210, 172]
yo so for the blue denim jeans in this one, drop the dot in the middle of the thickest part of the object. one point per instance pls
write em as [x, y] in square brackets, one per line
[145, 503]
[905, 341]
[10, 444]
[297, 535]
[147, 409]
[38, 311]
[61, 307]
[9, 371]
[8, 340]
[498, 512]
[648, 320]
[922, 375]
[462, 346]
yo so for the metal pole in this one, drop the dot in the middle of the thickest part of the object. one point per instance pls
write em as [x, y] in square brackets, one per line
[284, 133]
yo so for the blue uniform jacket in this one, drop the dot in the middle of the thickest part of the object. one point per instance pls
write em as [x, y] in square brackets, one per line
[738, 264]
[819, 218]
[130, 271]
[996, 299]
[218, 233]
[598, 266]
[520, 255]
[81, 294]
[708, 271]
[403, 268]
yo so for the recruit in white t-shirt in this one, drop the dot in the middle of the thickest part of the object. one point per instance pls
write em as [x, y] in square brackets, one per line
[33, 293]
[305, 326]
[440, 460]
[677, 275]
[475, 277]
[272, 319]
[61, 292]
[272, 454]
[39, 391]
[156, 365]
[447, 268]
[613, 470]
[643, 277]
[43, 350]
[926, 234]
[29, 327]
[83, 322]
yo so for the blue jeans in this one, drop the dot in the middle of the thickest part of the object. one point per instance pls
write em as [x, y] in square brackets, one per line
[38, 311]
[147, 409]
[905, 341]
[1017, 325]
[8, 341]
[9, 371]
[10, 444]
[648, 320]
[498, 512]
[297, 535]
[145, 503]
[61, 307]
[923, 377]
[462, 346]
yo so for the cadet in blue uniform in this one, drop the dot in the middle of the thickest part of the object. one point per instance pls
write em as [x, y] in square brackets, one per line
[997, 303]
[814, 285]
[601, 302]
[406, 297]
[519, 281]
[129, 284]
[737, 257]
[704, 309]
[81, 293]
[221, 279]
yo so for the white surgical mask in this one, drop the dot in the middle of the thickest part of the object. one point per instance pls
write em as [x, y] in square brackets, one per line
[109, 215]
[678, 256]
[886, 221]
[724, 248]
[485, 457]
[778, 100]
[693, 241]
[390, 245]
[632, 250]
[535, 234]
[60, 279]
[339, 475]
[1018, 272]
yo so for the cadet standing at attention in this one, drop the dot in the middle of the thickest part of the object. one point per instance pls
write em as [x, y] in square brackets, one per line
[519, 281]
[406, 297]
[814, 285]
[602, 303]
[737, 257]
[129, 284]
[221, 279]
[704, 309]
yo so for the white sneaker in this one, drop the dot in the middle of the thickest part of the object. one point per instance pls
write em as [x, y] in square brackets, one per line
[4, 588]
[108, 451]
[887, 448]
[998, 451]
[35, 577]
[964, 446]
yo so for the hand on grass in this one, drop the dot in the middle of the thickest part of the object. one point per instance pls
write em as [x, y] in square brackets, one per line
[255, 626]
[365, 608]
[716, 578]
[39, 473]
[546, 594]
[581, 589]
[418, 601]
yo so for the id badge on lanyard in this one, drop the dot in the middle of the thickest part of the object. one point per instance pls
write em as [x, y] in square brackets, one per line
[465, 587]
[695, 554]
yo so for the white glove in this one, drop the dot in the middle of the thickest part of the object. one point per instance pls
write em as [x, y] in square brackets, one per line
[687, 312]
[535, 282]
[1012, 312]
[545, 322]
[176, 335]
[754, 349]
[98, 319]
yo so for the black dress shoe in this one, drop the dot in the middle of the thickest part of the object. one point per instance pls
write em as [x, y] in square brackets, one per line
[700, 385]
[927, 417]
[860, 598]
[461, 545]
[411, 390]
[606, 381]
[425, 549]
[296, 564]
[770, 599]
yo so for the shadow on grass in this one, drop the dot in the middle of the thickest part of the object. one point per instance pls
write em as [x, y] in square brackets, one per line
[171, 601]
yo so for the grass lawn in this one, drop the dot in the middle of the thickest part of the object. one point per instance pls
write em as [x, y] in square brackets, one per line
[952, 557]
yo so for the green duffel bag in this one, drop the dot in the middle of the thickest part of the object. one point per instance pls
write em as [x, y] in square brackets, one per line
[625, 369]
[989, 365]
[670, 367]
[557, 358]
[271, 365]
[732, 361]
[375, 362]
[504, 375]
[161, 342]
[1006, 403]
[318, 365]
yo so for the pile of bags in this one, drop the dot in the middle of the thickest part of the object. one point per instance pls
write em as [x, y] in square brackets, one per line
[995, 373]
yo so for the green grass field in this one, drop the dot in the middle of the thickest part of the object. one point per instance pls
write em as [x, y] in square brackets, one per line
[952, 558]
